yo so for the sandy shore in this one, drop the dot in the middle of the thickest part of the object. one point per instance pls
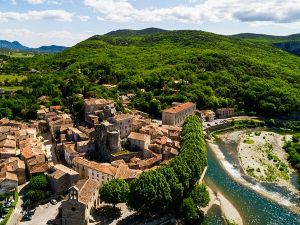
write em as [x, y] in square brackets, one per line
[237, 176]
[228, 210]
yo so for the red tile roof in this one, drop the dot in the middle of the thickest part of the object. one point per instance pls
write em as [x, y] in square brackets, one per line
[179, 108]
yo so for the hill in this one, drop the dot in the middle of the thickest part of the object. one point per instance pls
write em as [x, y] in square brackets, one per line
[16, 46]
[162, 67]
[290, 43]
[128, 32]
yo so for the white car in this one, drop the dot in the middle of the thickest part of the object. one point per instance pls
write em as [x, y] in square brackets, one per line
[53, 201]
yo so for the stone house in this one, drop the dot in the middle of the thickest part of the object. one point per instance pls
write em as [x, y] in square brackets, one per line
[96, 110]
[225, 112]
[102, 172]
[177, 114]
[124, 124]
[139, 141]
[8, 182]
[69, 152]
[209, 115]
[61, 178]
[16, 166]
[83, 199]
[35, 160]
[59, 121]
[85, 146]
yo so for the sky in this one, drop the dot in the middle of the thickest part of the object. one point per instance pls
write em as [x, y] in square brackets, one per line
[66, 22]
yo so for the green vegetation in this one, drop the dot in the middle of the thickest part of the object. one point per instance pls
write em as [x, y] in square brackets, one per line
[114, 192]
[293, 150]
[38, 189]
[12, 208]
[160, 68]
[123, 152]
[249, 141]
[188, 210]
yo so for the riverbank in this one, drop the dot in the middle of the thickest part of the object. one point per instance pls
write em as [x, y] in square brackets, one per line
[236, 175]
[229, 212]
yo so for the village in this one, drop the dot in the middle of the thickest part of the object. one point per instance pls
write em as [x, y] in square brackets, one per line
[78, 159]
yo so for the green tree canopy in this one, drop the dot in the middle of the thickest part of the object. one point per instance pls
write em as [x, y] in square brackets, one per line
[114, 192]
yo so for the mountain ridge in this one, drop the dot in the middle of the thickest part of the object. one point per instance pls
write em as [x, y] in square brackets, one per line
[17, 46]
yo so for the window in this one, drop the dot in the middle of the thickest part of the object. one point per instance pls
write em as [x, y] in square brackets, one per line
[73, 209]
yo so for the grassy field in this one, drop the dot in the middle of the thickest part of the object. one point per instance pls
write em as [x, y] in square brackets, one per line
[17, 54]
[12, 88]
[12, 78]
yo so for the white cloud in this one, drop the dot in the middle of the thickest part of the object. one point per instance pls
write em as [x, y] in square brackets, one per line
[252, 11]
[37, 39]
[58, 15]
[49, 2]
[84, 18]
[35, 2]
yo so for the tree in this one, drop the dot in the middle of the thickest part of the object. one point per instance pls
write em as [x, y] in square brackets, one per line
[200, 195]
[149, 193]
[115, 191]
[34, 196]
[188, 210]
[38, 182]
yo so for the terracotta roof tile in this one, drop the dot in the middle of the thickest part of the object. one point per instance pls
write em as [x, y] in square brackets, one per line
[87, 191]
[179, 108]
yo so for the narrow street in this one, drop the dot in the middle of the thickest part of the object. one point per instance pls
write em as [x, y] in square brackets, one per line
[17, 214]
[50, 148]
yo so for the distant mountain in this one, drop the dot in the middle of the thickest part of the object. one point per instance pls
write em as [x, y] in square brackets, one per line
[127, 32]
[292, 47]
[265, 36]
[16, 46]
[290, 43]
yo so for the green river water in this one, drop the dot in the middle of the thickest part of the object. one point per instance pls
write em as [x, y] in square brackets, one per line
[254, 208]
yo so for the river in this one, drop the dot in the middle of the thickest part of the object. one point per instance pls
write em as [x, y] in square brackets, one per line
[254, 208]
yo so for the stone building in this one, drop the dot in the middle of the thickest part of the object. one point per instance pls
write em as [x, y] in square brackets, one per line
[16, 166]
[83, 199]
[59, 121]
[124, 124]
[139, 141]
[225, 112]
[8, 182]
[102, 172]
[108, 140]
[61, 178]
[69, 152]
[97, 110]
[35, 160]
[209, 115]
[177, 114]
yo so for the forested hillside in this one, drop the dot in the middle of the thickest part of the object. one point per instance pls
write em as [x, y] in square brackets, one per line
[290, 44]
[162, 67]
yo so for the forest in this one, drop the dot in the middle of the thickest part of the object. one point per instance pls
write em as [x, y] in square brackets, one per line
[212, 70]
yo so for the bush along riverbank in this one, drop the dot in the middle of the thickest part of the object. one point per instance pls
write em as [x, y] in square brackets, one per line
[293, 150]
[173, 188]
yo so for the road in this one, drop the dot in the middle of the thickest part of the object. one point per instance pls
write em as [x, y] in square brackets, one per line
[50, 148]
[17, 214]
[225, 120]
[42, 214]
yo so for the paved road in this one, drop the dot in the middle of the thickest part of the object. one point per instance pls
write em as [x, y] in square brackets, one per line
[17, 214]
[225, 120]
[42, 214]
[50, 148]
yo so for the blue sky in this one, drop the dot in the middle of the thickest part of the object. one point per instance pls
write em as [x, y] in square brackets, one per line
[66, 22]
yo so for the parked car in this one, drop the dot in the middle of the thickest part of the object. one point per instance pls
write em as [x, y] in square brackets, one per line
[26, 217]
[51, 222]
[53, 201]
